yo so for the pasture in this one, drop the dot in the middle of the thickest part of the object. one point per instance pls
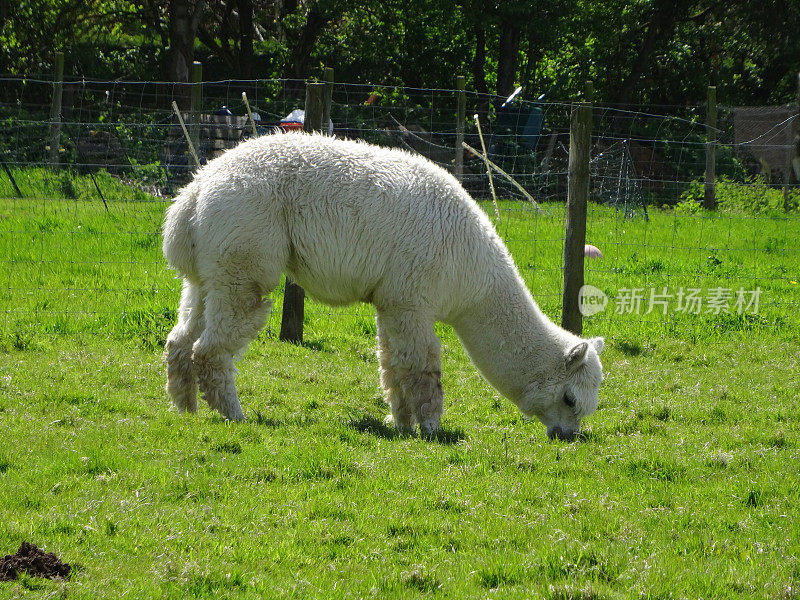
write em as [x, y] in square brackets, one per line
[683, 485]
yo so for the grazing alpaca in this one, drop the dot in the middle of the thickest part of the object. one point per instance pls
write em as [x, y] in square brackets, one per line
[351, 222]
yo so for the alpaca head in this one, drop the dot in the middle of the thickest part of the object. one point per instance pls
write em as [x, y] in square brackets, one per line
[568, 393]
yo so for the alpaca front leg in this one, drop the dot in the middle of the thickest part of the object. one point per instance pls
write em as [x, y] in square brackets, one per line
[402, 414]
[409, 354]
[429, 402]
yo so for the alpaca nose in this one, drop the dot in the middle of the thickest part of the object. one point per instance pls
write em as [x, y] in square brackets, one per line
[558, 433]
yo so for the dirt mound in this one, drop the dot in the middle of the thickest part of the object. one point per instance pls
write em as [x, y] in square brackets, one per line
[30, 559]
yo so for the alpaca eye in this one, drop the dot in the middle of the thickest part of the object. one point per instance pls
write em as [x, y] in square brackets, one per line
[569, 401]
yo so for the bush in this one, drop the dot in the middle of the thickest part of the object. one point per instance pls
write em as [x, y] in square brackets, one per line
[754, 197]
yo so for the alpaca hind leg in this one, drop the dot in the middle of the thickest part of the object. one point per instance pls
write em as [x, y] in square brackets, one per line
[234, 314]
[181, 375]
[409, 354]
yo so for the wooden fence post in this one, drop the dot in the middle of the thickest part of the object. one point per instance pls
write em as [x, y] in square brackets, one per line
[710, 196]
[315, 107]
[461, 113]
[580, 146]
[55, 111]
[196, 105]
[293, 294]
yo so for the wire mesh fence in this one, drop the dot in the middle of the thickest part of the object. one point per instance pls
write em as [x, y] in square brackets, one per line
[83, 192]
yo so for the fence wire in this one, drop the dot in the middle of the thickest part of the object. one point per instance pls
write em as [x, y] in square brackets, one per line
[81, 238]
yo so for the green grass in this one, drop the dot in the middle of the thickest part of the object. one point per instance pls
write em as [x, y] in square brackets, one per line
[684, 484]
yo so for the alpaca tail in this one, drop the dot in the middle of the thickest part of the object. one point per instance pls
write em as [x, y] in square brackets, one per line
[178, 243]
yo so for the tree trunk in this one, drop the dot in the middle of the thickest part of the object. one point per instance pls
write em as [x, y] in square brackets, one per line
[183, 24]
[301, 52]
[152, 18]
[532, 56]
[246, 34]
[509, 57]
[660, 28]
[479, 73]
[4, 12]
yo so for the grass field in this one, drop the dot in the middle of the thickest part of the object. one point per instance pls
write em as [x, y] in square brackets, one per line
[684, 485]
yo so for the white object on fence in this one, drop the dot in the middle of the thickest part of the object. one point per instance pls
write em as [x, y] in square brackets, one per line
[298, 115]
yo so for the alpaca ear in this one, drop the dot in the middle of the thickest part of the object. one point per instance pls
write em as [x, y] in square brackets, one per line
[598, 343]
[575, 356]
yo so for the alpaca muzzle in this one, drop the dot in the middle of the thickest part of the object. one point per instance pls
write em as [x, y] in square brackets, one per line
[559, 433]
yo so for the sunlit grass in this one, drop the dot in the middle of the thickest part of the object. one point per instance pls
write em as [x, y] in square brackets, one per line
[683, 485]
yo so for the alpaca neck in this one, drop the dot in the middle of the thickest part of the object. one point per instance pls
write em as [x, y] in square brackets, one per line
[508, 337]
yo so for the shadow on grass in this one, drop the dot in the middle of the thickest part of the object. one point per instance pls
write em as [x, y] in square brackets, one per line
[376, 427]
[629, 348]
[316, 345]
[259, 418]
[296, 420]
[588, 436]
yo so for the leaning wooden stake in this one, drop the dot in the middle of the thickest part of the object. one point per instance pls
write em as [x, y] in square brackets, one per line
[250, 114]
[11, 177]
[504, 174]
[488, 167]
[293, 294]
[580, 143]
[186, 134]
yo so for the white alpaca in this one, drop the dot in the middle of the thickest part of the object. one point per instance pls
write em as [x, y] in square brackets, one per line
[354, 222]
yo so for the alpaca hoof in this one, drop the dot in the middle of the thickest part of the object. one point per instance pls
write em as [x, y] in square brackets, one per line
[402, 429]
[235, 415]
[428, 431]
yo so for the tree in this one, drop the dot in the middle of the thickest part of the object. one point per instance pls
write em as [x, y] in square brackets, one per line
[228, 29]
[184, 19]
[246, 35]
[659, 28]
[32, 30]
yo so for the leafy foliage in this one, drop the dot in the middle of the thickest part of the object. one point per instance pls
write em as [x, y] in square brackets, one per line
[755, 197]
[648, 51]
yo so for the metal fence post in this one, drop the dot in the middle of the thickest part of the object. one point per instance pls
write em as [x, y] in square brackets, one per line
[196, 105]
[795, 160]
[461, 99]
[55, 110]
[710, 195]
[792, 151]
